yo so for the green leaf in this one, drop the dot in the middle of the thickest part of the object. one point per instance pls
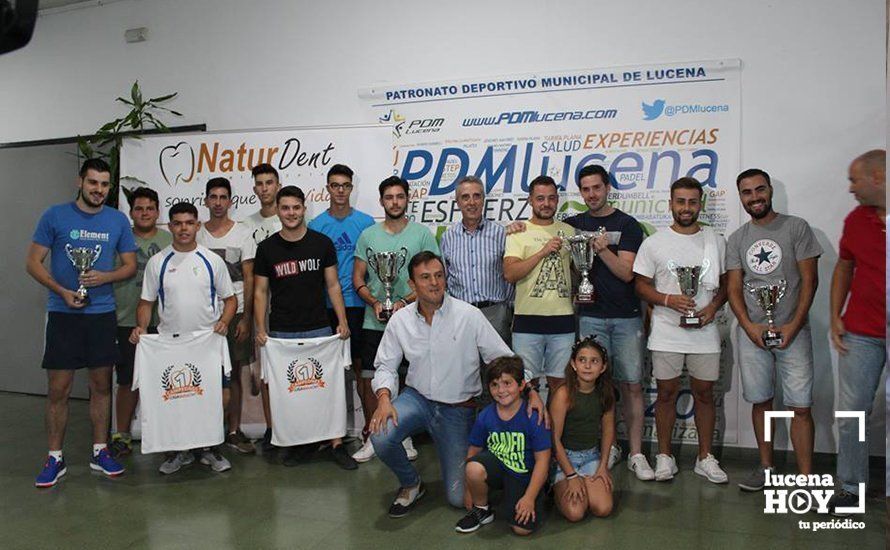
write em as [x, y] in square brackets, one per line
[127, 101]
[84, 147]
[162, 98]
[135, 93]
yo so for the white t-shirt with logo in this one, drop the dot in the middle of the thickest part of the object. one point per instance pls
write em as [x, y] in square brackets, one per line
[179, 379]
[234, 247]
[653, 260]
[187, 287]
[307, 393]
[261, 228]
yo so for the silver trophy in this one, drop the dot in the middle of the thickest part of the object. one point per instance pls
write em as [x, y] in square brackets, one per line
[768, 297]
[583, 256]
[387, 266]
[689, 277]
[83, 259]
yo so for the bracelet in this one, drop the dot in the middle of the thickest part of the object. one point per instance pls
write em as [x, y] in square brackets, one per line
[360, 288]
[573, 475]
[666, 296]
[404, 301]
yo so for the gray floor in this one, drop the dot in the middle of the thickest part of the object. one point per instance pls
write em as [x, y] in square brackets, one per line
[316, 505]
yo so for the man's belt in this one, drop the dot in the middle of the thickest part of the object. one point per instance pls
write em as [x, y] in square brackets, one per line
[485, 304]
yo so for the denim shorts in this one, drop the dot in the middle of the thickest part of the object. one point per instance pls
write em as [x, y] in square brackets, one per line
[544, 354]
[793, 365]
[623, 340]
[585, 462]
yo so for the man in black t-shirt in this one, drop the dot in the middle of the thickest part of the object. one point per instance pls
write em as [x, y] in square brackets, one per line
[615, 317]
[299, 266]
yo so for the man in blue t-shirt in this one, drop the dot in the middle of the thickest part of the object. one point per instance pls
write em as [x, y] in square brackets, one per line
[81, 332]
[508, 450]
[343, 224]
[614, 318]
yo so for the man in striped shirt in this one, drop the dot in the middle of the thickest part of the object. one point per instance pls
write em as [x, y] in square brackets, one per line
[473, 250]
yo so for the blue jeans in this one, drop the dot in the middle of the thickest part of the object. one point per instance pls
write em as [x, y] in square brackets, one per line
[859, 373]
[623, 340]
[544, 354]
[449, 426]
[315, 333]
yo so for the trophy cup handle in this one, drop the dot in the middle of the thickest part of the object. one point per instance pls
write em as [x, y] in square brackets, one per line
[750, 288]
[403, 257]
[98, 252]
[68, 249]
[672, 267]
[705, 266]
[783, 285]
[369, 253]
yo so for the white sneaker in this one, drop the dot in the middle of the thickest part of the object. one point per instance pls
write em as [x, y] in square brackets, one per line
[640, 466]
[710, 468]
[364, 454]
[614, 456]
[665, 467]
[409, 448]
[216, 461]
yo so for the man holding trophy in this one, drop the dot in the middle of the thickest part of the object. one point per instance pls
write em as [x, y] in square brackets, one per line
[386, 247]
[84, 237]
[680, 272]
[772, 266]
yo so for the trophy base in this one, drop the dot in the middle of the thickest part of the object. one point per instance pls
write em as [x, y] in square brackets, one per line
[582, 299]
[82, 296]
[690, 322]
[771, 338]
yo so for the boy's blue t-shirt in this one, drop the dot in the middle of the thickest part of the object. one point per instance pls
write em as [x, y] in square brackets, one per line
[344, 232]
[66, 224]
[514, 442]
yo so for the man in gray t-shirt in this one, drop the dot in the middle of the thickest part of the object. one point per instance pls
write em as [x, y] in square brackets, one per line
[770, 248]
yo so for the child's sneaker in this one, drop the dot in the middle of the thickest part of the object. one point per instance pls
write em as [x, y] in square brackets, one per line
[53, 470]
[475, 518]
[102, 462]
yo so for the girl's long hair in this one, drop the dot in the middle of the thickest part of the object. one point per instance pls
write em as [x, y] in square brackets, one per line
[603, 385]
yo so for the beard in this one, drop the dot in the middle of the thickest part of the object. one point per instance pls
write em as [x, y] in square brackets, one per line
[395, 214]
[768, 207]
[89, 200]
[685, 222]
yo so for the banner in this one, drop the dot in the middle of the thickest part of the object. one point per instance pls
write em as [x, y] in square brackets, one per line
[178, 166]
[647, 125]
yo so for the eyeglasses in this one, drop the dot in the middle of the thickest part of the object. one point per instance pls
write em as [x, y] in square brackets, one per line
[340, 186]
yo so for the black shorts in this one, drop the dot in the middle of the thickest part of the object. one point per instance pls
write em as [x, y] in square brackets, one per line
[80, 340]
[514, 486]
[124, 367]
[371, 341]
[355, 317]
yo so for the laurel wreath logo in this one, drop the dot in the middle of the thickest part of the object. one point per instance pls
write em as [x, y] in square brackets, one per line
[304, 375]
[177, 385]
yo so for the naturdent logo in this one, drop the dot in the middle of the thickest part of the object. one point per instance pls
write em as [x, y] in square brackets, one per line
[659, 106]
[180, 163]
[181, 382]
[304, 375]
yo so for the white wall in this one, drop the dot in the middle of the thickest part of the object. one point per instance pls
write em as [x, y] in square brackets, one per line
[813, 91]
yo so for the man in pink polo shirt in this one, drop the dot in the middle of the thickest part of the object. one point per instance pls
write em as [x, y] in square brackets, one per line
[859, 333]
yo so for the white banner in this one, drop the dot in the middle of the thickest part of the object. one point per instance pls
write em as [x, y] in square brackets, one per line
[178, 166]
[647, 125]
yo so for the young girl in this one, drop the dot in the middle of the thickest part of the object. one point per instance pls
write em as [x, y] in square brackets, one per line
[582, 414]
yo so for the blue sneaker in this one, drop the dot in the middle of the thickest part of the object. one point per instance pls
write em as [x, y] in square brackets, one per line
[103, 462]
[52, 470]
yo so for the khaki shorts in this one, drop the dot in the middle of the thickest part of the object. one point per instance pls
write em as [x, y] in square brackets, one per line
[701, 366]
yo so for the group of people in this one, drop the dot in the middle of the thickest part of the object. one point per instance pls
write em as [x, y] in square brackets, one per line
[487, 308]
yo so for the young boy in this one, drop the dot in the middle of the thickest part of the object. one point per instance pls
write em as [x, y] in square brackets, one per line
[508, 450]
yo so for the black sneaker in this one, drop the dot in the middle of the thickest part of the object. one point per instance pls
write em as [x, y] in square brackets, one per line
[406, 500]
[341, 456]
[842, 499]
[475, 518]
[296, 455]
[266, 444]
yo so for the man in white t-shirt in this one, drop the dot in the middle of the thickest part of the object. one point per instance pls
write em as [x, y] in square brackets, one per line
[261, 225]
[234, 244]
[683, 331]
[187, 280]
